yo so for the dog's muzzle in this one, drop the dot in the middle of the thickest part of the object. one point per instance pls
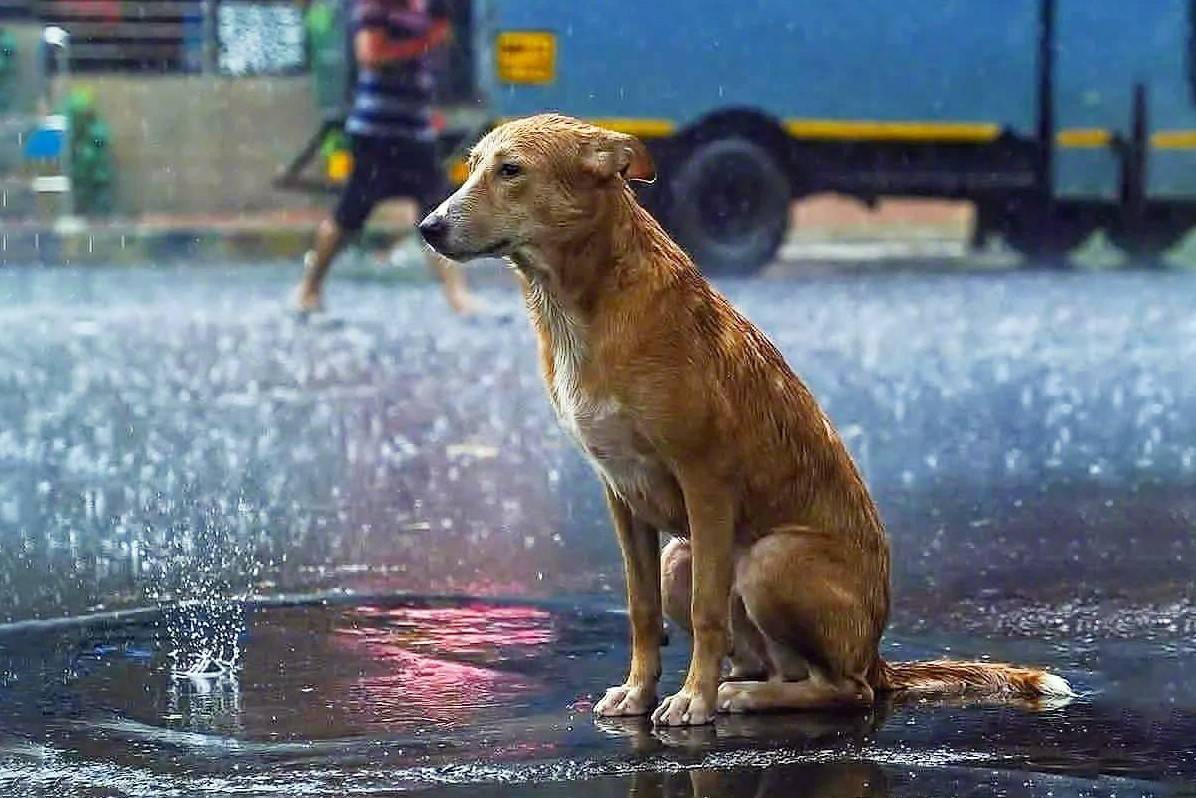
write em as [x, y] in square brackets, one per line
[434, 228]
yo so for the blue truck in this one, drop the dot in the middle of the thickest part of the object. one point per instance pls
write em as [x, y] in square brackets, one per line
[1056, 118]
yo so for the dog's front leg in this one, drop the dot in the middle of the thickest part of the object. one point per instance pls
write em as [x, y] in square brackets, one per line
[640, 544]
[710, 511]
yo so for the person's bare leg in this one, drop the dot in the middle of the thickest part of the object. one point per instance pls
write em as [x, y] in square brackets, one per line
[330, 240]
[453, 282]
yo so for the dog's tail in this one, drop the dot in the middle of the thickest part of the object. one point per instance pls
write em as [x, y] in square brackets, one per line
[951, 677]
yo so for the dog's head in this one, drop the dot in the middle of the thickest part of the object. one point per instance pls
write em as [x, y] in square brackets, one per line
[533, 182]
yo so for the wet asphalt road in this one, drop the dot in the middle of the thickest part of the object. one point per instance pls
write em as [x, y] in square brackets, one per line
[172, 434]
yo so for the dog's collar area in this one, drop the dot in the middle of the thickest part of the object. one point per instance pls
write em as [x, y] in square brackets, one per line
[496, 249]
[492, 251]
[528, 262]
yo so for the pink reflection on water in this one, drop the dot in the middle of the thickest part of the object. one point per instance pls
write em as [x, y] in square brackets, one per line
[473, 628]
[418, 682]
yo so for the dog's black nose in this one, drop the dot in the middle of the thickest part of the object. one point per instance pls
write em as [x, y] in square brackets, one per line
[433, 228]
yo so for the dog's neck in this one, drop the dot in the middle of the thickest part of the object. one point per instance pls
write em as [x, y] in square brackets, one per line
[577, 273]
[568, 284]
[593, 284]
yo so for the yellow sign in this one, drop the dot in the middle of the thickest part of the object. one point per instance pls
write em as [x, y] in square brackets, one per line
[458, 171]
[526, 56]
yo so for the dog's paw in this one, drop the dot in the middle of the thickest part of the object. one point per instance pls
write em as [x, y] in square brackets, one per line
[626, 699]
[734, 697]
[684, 708]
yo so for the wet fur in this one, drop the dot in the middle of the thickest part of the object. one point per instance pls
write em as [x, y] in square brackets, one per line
[697, 428]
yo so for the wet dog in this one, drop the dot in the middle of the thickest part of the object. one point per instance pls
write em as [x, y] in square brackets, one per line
[697, 428]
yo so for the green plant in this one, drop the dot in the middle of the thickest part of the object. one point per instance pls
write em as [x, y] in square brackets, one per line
[334, 141]
[92, 169]
[327, 54]
[8, 68]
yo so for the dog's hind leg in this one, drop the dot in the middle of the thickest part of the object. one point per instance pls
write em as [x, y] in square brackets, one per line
[676, 583]
[816, 691]
[676, 587]
[749, 652]
[819, 622]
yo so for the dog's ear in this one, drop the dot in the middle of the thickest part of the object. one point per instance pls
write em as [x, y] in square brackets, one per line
[619, 154]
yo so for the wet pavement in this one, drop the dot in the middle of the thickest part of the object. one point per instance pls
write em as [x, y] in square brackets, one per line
[375, 516]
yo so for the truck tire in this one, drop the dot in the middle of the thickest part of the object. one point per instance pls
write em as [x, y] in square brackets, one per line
[1044, 236]
[1151, 237]
[729, 206]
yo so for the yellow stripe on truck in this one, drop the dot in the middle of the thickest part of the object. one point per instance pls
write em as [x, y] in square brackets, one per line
[868, 130]
[641, 128]
[830, 129]
[1174, 139]
[824, 129]
[632, 126]
[458, 169]
[1084, 137]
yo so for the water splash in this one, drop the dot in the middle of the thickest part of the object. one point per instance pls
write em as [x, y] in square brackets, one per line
[202, 571]
[208, 664]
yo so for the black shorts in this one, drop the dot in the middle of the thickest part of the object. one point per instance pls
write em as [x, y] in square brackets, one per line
[389, 169]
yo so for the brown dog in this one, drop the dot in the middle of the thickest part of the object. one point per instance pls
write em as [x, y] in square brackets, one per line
[698, 428]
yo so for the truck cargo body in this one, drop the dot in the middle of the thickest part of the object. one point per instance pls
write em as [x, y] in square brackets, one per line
[1055, 117]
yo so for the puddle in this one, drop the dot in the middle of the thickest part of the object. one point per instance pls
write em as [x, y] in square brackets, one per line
[360, 695]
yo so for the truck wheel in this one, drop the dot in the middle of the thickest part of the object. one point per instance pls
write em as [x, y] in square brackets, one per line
[730, 204]
[1150, 238]
[1045, 236]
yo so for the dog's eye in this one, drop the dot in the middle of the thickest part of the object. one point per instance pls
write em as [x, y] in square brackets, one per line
[510, 170]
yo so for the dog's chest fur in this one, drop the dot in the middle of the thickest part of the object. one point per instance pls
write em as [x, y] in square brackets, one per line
[604, 429]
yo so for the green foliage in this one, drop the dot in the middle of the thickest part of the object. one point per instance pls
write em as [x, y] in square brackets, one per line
[320, 19]
[334, 141]
[327, 54]
[92, 169]
[8, 68]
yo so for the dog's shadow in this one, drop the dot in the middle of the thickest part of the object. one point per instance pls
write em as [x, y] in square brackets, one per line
[794, 730]
[846, 779]
[724, 762]
[730, 757]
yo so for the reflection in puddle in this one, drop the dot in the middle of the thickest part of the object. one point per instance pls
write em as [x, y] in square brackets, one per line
[470, 629]
[832, 780]
[416, 647]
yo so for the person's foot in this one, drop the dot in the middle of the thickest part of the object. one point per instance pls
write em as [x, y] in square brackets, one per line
[305, 301]
[464, 304]
[306, 298]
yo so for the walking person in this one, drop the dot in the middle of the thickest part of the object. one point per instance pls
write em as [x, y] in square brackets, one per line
[391, 138]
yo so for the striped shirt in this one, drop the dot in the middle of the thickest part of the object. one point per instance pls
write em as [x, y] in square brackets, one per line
[393, 101]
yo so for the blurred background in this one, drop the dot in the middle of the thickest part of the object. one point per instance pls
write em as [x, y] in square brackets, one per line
[1056, 129]
[308, 544]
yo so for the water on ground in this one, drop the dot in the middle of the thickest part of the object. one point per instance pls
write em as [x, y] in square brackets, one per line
[375, 519]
